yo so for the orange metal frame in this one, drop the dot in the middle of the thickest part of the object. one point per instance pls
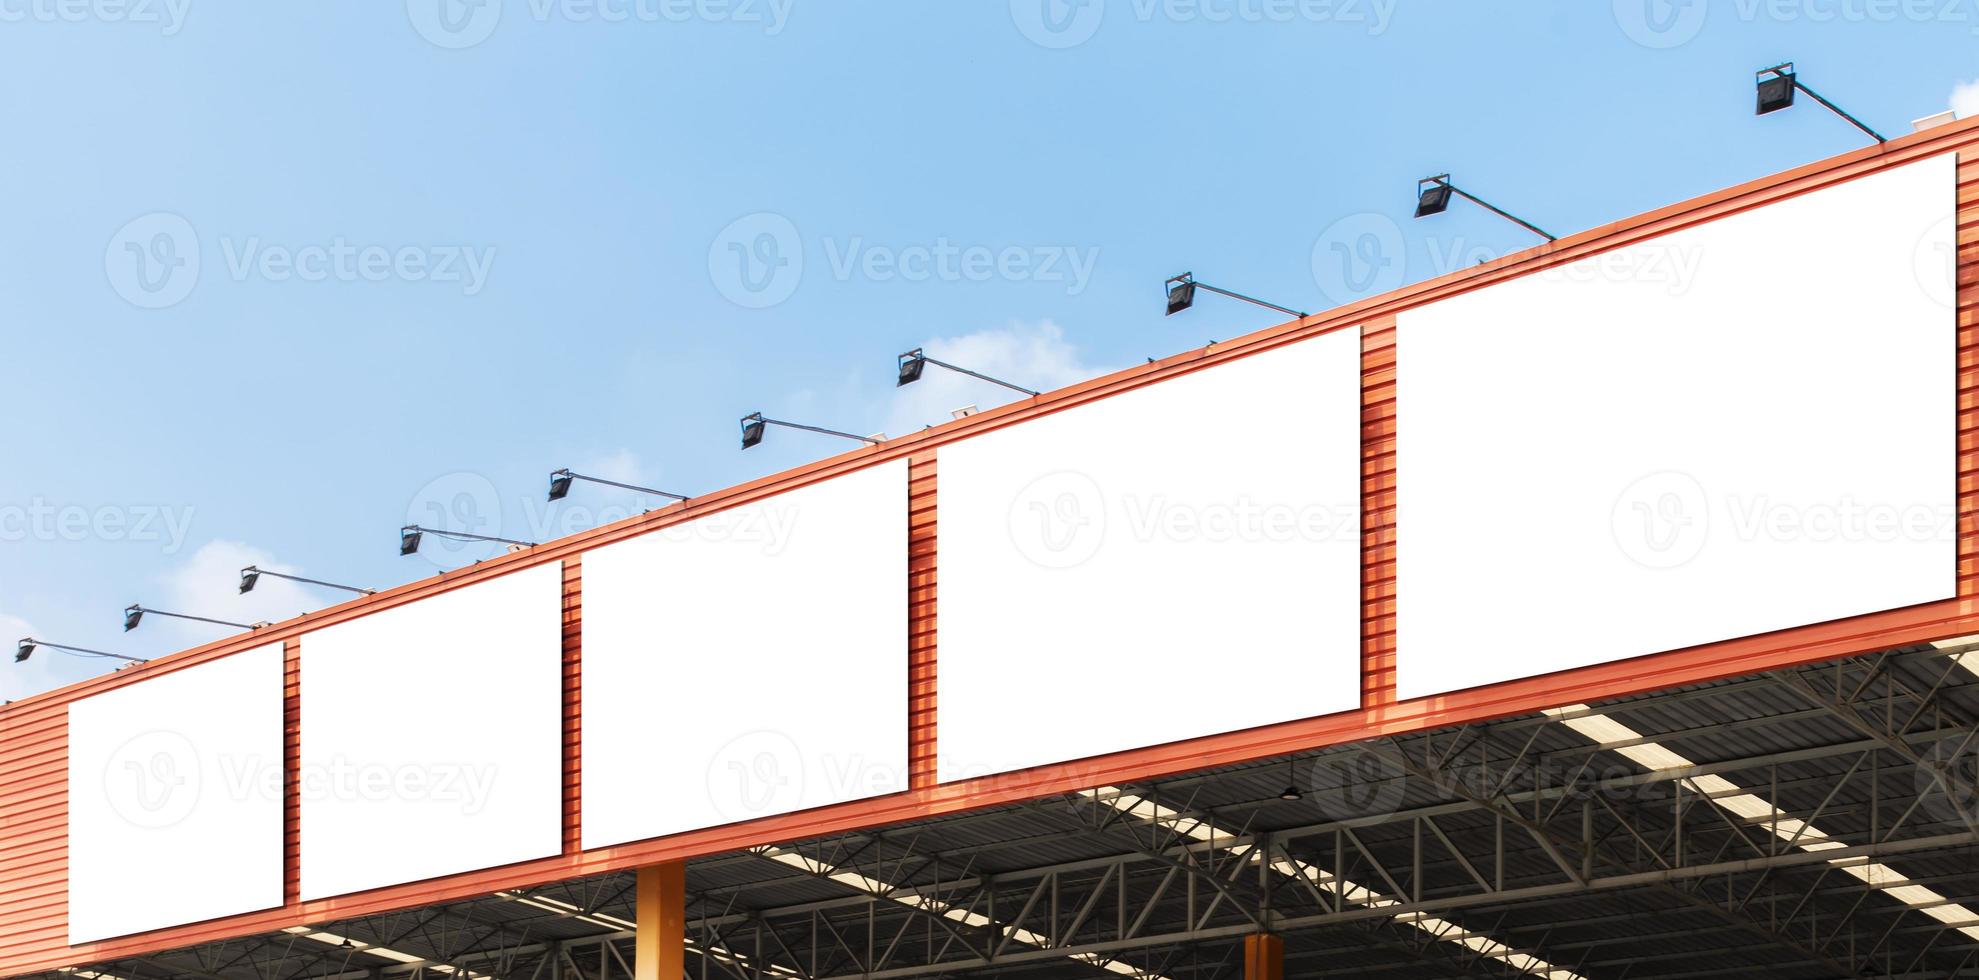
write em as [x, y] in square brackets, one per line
[34, 736]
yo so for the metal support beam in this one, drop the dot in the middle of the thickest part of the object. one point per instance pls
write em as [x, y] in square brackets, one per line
[662, 935]
[1264, 957]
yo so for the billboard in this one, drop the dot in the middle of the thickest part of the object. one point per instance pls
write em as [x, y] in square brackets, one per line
[432, 736]
[1734, 428]
[748, 663]
[1115, 574]
[175, 798]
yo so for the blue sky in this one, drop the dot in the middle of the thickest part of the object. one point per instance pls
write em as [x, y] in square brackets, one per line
[279, 278]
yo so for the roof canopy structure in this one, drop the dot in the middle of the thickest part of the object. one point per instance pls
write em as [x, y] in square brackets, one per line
[1373, 632]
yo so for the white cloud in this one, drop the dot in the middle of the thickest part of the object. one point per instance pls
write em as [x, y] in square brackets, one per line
[1965, 99]
[46, 669]
[1035, 355]
[622, 466]
[208, 584]
[20, 680]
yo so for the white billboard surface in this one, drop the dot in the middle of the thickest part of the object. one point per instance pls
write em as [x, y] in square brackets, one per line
[1738, 427]
[748, 663]
[175, 798]
[432, 736]
[1179, 560]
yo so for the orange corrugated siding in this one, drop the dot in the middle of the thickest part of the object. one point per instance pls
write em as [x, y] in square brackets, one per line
[1967, 298]
[921, 631]
[33, 736]
[34, 776]
[573, 703]
[1378, 512]
[292, 770]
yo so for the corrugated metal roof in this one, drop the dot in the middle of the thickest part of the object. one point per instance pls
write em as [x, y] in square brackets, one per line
[1769, 734]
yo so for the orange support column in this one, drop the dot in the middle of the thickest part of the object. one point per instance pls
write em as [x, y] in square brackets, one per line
[1264, 957]
[662, 913]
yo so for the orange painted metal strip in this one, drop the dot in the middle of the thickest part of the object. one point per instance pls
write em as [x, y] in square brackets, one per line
[660, 907]
[921, 625]
[573, 704]
[1378, 512]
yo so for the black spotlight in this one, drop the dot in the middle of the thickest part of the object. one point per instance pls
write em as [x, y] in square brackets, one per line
[912, 364]
[23, 651]
[1776, 88]
[1181, 294]
[752, 430]
[409, 539]
[132, 614]
[1290, 793]
[249, 576]
[1432, 196]
[559, 484]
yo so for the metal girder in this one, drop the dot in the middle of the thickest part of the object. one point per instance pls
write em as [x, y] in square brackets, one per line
[1506, 830]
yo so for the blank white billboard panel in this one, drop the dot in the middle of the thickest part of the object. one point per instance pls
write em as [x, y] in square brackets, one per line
[1176, 561]
[748, 663]
[432, 736]
[175, 798]
[1735, 428]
